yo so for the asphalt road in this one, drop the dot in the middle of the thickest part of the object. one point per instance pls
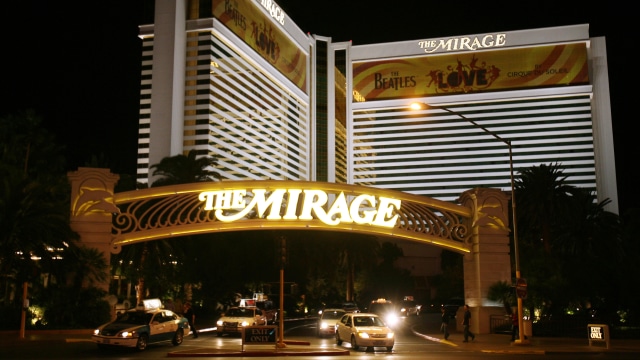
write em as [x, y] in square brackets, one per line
[408, 346]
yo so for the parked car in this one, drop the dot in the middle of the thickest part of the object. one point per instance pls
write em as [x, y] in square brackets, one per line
[347, 306]
[364, 330]
[328, 320]
[136, 328]
[267, 306]
[452, 306]
[232, 321]
[270, 311]
[409, 308]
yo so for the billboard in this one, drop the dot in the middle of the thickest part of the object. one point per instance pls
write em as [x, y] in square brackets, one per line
[478, 71]
[245, 19]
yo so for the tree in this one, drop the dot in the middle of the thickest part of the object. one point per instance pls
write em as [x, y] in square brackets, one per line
[34, 198]
[450, 282]
[37, 244]
[590, 235]
[181, 169]
[503, 293]
[147, 261]
[543, 198]
[565, 233]
[357, 253]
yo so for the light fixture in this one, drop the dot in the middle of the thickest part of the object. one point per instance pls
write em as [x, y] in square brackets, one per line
[520, 282]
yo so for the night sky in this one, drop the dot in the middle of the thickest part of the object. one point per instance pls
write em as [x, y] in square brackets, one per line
[77, 63]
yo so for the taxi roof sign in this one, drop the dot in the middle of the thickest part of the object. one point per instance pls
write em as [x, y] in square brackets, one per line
[150, 304]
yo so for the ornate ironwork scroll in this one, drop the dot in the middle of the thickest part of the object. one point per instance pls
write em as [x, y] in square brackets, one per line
[196, 208]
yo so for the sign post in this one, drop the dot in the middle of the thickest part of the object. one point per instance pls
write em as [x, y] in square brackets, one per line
[258, 335]
[598, 333]
[521, 288]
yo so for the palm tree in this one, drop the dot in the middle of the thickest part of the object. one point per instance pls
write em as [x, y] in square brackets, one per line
[575, 231]
[181, 169]
[34, 198]
[543, 197]
[590, 234]
[88, 266]
[502, 292]
[357, 252]
[147, 259]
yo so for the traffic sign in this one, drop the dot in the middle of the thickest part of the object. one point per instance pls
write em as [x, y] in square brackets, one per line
[521, 288]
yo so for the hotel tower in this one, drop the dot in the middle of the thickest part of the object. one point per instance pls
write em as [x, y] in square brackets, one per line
[241, 82]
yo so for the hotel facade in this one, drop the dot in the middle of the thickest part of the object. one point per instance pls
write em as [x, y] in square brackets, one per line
[241, 82]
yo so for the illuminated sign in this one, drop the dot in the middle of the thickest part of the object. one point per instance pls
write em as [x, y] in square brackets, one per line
[464, 43]
[248, 21]
[596, 333]
[274, 10]
[259, 334]
[464, 73]
[231, 205]
[599, 333]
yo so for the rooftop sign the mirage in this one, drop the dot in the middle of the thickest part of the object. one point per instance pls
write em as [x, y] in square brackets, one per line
[464, 43]
[298, 204]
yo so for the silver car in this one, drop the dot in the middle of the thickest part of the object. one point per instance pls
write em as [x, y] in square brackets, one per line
[328, 320]
[364, 330]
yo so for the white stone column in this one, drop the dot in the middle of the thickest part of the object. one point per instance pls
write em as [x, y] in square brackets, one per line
[92, 209]
[489, 260]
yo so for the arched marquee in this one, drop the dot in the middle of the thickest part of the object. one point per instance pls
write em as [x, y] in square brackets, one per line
[478, 228]
[196, 208]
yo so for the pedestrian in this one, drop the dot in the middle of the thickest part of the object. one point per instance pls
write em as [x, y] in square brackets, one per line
[466, 320]
[514, 326]
[191, 317]
[444, 328]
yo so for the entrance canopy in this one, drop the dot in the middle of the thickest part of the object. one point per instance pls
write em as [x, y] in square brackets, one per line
[197, 208]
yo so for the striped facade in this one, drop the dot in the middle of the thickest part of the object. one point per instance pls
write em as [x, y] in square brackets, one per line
[233, 108]
[229, 102]
[438, 154]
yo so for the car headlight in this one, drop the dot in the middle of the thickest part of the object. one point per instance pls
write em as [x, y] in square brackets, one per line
[392, 320]
[363, 335]
[245, 323]
[324, 325]
[390, 335]
[96, 332]
[219, 322]
[127, 334]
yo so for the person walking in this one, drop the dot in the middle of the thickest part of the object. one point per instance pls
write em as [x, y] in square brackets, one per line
[444, 328]
[191, 317]
[466, 320]
[514, 325]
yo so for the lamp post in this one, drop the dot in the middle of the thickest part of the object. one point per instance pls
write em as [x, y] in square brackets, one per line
[519, 280]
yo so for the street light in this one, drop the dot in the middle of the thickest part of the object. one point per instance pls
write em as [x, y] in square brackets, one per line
[519, 280]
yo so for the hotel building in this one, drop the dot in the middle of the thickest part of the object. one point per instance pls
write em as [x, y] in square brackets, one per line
[241, 82]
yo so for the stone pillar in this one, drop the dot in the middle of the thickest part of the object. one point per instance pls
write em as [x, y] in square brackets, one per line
[489, 260]
[92, 208]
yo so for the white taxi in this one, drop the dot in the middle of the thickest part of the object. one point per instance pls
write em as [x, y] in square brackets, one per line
[236, 318]
[144, 325]
[364, 330]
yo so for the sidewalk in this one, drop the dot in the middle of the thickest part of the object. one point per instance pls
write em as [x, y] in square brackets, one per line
[500, 343]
